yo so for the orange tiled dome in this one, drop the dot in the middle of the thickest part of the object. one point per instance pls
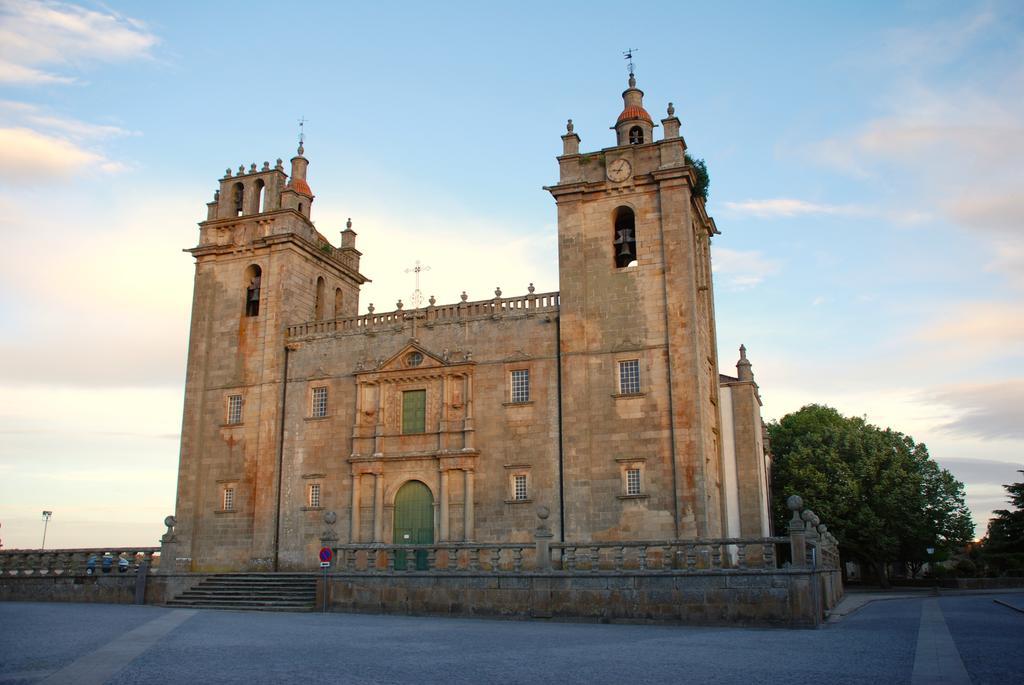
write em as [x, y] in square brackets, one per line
[300, 186]
[634, 112]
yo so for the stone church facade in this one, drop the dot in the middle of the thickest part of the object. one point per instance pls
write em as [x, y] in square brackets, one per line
[602, 402]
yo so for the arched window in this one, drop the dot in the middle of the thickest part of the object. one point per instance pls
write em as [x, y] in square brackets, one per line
[320, 287]
[239, 197]
[252, 290]
[300, 208]
[261, 196]
[337, 302]
[624, 244]
[636, 135]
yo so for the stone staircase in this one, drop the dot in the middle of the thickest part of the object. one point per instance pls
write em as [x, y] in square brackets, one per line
[251, 592]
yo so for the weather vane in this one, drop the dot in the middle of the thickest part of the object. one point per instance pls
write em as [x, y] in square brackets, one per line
[628, 54]
[302, 132]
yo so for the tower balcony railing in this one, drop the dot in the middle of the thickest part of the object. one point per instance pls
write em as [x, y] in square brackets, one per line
[496, 308]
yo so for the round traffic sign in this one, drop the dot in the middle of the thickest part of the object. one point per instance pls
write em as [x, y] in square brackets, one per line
[326, 554]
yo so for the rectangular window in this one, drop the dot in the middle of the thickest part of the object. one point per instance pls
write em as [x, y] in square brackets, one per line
[228, 501]
[319, 402]
[314, 494]
[234, 409]
[521, 385]
[414, 411]
[632, 481]
[519, 482]
[629, 377]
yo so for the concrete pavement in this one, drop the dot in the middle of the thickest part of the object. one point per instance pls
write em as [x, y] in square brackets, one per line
[954, 639]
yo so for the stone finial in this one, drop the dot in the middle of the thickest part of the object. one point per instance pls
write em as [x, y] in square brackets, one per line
[370, 308]
[794, 502]
[399, 305]
[348, 224]
[432, 300]
[530, 289]
[497, 291]
[241, 170]
[743, 368]
[227, 173]
[330, 518]
[542, 526]
[279, 164]
[301, 151]
[170, 522]
[464, 296]
[569, 126]
[266, 166]
[252, 168]
[671, 110]
[216, 195]
[632, 80]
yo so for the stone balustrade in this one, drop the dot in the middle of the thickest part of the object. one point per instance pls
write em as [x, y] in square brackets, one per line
[58, 562]
[496, 307]
[660, 556]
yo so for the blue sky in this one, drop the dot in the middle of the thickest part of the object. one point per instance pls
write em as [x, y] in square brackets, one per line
[865, 175]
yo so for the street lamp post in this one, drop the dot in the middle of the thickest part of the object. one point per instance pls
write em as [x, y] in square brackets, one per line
[46, 522]
[931, 567]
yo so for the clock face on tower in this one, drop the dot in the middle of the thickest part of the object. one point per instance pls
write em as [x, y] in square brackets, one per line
[619, 170]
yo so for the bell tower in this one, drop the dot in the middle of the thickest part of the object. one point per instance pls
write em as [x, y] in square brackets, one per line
[640, 440]
[261, 265]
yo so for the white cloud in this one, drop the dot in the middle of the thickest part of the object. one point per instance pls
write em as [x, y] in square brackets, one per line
[742, 269]
[990, 411]
[62, 35]
[37, 145]
[17, 74]
[949, 139]
[787, 207]
[27, 156]
[972, 328]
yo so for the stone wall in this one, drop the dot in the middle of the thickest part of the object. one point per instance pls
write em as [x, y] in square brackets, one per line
[785, 598]
[113, 588]
[108, 589]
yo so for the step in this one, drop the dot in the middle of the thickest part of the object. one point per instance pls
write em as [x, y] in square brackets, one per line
[242, 607]
[235, 602]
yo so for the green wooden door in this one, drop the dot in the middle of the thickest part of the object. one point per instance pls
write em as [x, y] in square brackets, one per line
[414, 521]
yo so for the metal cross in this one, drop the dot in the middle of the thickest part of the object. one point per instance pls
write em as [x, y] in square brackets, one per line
[417, 295]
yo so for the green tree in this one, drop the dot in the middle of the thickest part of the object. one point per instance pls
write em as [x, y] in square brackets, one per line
[1003, 546]
[878, 491]
[703, 180]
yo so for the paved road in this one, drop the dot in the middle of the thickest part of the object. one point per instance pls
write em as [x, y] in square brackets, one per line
[952, 639]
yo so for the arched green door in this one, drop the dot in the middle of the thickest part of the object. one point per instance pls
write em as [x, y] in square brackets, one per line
[414, 521]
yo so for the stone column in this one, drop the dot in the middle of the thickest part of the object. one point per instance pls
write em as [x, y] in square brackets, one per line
[378, 430]
[542, 539]
[468, 438]
[443, 495]
[797, 533]
[378, 507]
[467, 509]
[353, 535]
